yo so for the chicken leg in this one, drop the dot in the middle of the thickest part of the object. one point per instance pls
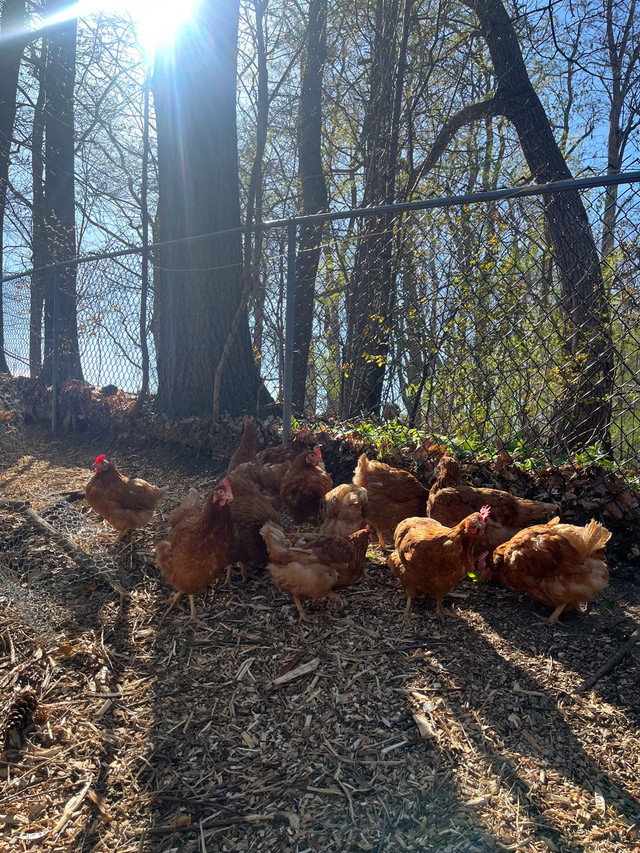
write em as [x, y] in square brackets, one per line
[175, 598]
[382, 546]
[298, 604]
[192, 607]
[552, 620]
[407, 612]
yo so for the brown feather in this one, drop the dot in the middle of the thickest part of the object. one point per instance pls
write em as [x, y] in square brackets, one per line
[393, 494]
[450, 500]
[559, 564]
[126, 503]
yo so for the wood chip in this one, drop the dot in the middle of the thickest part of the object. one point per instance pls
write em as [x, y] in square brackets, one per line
[425, 727]
[297, 672]
[374, 734]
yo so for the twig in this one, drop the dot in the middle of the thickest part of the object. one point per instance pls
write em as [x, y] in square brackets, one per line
[303, 669]
[613, 661]
[73, 804]
[216, 824]
[345, 791]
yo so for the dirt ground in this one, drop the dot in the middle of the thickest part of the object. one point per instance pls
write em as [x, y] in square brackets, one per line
[250, 732]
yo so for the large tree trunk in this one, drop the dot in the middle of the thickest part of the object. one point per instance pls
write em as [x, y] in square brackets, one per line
[11, 27]
[584, 415]
[371, 294]
[59, 198]
[39, 252]
[198, 284]
[314, 194]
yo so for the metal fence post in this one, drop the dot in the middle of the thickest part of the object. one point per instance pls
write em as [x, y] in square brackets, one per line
[290, 316]
[55, 359]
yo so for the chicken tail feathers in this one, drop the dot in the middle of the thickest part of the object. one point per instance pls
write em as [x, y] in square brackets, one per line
[593, 537]
[278, 546]
[360, 473]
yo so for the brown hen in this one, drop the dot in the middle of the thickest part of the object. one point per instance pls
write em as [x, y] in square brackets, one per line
[393, 494]
[562, 565]
[313, 565]
[304, 486]
[430, 559]
[126, 503]
[250, 510]
[450, 501]
[344, 510]
[200, 545]
[266, 477]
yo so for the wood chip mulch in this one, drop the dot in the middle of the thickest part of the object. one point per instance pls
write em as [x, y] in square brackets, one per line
[127, 729]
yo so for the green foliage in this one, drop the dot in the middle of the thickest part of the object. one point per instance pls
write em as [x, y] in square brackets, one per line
[388, 438]
[595, 455]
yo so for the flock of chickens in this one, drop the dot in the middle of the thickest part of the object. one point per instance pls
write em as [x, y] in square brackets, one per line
[440, 534]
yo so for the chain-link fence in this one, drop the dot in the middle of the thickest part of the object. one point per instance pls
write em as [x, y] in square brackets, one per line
[504, 314]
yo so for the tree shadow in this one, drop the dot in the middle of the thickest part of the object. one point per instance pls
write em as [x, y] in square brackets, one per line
[607, 622]
[519, 728]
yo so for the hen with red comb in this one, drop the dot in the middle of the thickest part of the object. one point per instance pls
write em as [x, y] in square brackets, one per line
[451, 500]
[430, 558]
[304, 486]
[127, 503]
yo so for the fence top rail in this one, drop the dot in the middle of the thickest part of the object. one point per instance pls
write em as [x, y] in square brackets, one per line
[402, 207]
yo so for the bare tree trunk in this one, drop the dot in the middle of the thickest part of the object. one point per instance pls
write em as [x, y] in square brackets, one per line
[38, 239]
[624, 57]
[584, 416]
[253, 263]
[314, 194]
[199, 282]
[11, 27]
[59, 198]
[371, 294]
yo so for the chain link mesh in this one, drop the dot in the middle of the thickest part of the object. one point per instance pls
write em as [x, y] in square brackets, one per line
[457, 316]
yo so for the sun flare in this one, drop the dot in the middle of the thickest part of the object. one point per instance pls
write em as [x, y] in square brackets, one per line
[156, 21]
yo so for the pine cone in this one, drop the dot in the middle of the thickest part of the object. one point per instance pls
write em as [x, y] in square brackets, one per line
[20, 717]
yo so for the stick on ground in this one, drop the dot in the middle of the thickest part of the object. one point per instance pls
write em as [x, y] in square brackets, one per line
[613, 661]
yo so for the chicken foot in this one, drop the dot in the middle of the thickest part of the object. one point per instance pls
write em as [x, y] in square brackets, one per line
[334, 597]
[553, 619]
[243, 574]
[298, 604]
[192, 607]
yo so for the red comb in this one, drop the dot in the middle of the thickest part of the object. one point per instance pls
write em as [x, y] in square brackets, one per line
[317, 451]
[484, 512]
[227, 486]
[100, 458]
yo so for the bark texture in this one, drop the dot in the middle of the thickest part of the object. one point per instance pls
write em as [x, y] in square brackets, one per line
[198, 283]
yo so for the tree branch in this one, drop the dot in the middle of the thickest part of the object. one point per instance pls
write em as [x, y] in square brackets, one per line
[468, 115]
